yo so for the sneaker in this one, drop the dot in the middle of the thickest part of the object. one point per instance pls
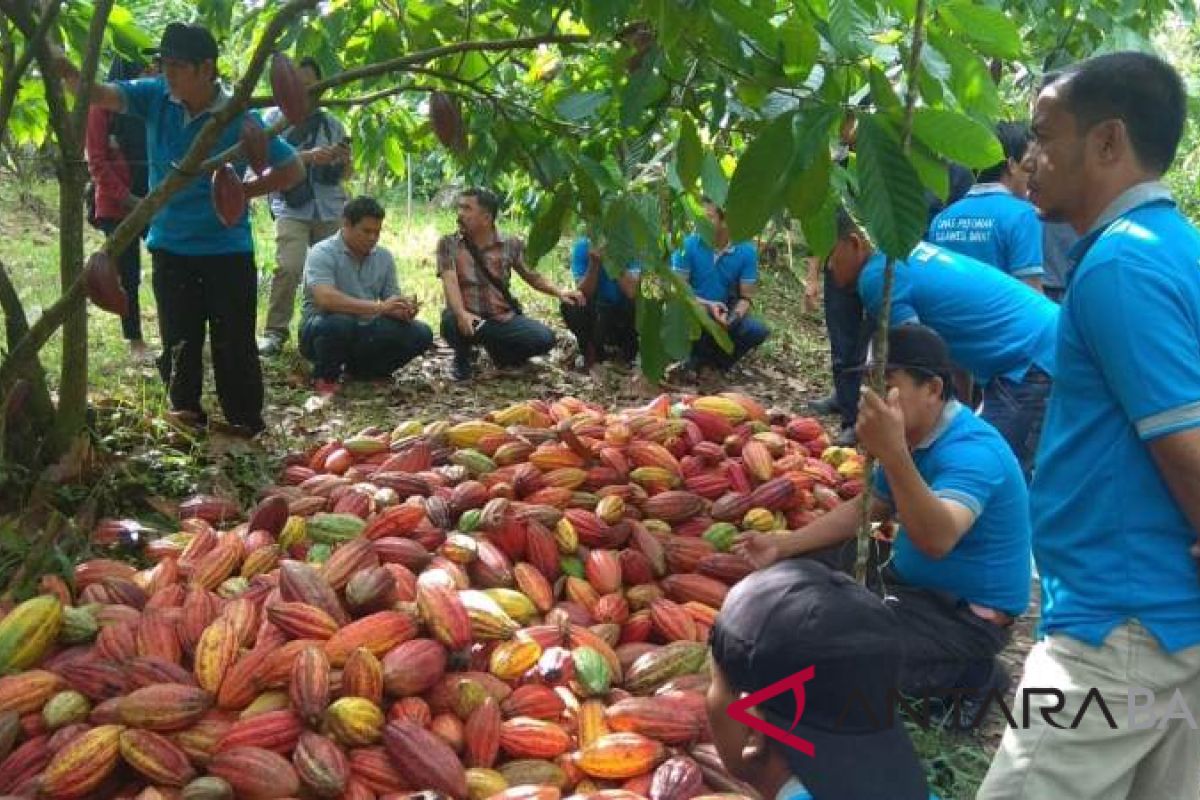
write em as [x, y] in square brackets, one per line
[461, 369]
[846, 438]
[824, 407]
[188, 421]
[271, 344]
[326, 388]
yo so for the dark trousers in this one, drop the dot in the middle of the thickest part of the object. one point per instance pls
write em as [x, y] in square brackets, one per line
[1017, 409]
[367, 349]
[747, 333]
[509, 344]
[601, 327]
[944, 644]
[214, 295]
[849, 335]
[129, 265]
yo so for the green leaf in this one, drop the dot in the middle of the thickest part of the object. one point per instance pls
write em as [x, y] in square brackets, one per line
[847, 28]
[749, 22]
[970, 80]
[649, 314]
[809, 189]
[393, 153]
[801, 46]
[689, 155]
[713, 180]
[890, 190]
[548, 227]
[601, 16]
[990, 29]
[589, 195]
[820, 227]
[882, 91]
[644, 89]
[680, 291]
[760, 178]
[935, 175]
[580, 106]
[679, 328]
[957, 137]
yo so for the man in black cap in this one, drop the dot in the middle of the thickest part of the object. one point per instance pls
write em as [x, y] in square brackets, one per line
[960, 565]
[205, 278]
[836, 735]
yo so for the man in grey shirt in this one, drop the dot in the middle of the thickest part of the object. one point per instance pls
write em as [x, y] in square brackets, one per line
[1058, 238]
[309, 211]
[354, 319]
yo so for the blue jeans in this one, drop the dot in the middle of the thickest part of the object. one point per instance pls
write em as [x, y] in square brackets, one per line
[1016, 409]
[849, 334]
[509, 343]
[367, 349]
[747, 333]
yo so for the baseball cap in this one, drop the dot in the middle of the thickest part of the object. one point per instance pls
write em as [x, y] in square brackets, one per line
[187, 43]
[799, 613]
[918, 348]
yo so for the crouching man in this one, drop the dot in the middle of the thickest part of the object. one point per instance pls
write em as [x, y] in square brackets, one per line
[960, 568]
[355, 321]
[606, 322]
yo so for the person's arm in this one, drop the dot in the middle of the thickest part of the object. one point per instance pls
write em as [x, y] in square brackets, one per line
[99, 158]
[1178, 459]
[104, 95]
[287, 169]
[742, 307]
[628, 283]
[591, 275]
[933, 523]
[1025, 248]
[1034, 283]
[447, 261]
[747, 281]
[331, 300]
[539, 281]
[839, 525]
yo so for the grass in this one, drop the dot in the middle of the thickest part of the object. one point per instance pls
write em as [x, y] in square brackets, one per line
[145, 466]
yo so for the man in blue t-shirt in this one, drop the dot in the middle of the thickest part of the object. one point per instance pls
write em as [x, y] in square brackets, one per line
[605, 322]
[998, 329]
[204, 273]
[960, 566]
[723, 281]
[994, 223]
[1115, 504]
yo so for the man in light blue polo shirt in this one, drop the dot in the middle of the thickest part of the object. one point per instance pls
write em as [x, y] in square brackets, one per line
[606, 321]
[723, 281]
[994, 223]
[205, 278]
[959, 570]
[355, 321]
[1116, 499]
[997, 328]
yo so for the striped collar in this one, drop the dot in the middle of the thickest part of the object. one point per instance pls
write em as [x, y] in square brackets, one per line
[988, 188]
[949, 412]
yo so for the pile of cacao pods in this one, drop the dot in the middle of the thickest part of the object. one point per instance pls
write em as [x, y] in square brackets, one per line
[510, 607]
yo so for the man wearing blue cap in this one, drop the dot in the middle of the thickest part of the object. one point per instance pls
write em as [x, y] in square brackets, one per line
[205, 278]
[803, 621]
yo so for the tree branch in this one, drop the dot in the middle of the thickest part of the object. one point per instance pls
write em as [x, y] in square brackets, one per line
[190, 167]
[87, 70]
[404, 63]
[14, 72]
[880, 347]
[16, 325]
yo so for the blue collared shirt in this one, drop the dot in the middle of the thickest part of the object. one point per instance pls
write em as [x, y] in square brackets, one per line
[188, 224]
[715, 276]
[993, 324]
[608, 291]
[994, 226]
[331, 263]
[967, 461]
[1111, 542]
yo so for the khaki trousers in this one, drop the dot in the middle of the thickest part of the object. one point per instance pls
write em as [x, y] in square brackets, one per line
[292, 240]
[1152, 754]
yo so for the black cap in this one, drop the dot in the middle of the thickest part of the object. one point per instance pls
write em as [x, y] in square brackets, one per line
[918, 348]
[799, 614]
[187, 43]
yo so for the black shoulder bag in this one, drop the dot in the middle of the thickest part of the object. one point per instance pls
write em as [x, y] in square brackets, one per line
[481, 266]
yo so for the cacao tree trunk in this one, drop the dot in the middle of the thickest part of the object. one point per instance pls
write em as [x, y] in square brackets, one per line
[73, 377]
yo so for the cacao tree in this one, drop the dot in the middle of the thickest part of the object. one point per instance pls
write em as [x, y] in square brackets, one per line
[609, 116]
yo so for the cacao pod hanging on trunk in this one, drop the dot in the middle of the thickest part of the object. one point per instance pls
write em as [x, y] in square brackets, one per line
[254, 145]
[228, 195]
[291, 95]
[103, 285]
[446, 118]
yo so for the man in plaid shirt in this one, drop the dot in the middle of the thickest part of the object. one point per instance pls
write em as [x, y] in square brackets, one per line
[480, 307]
